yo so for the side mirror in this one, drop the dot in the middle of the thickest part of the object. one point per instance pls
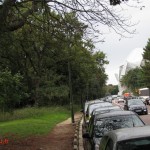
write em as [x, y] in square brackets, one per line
[86, 135]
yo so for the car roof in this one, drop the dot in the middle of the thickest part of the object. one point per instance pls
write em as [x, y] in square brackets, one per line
[91, 102]
[107, 108]
[114, 113]
[129, 133]
[98, 104]
[134, 99]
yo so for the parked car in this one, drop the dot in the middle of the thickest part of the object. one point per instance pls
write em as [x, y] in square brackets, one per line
[121, 101]
[136, 105]
[147, 100]
[91, 107]
[90, 102]
[102, 110]
[137, 138]
[86, 106]
[101, 124]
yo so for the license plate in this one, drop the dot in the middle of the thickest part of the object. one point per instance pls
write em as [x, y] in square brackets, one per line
[138, 110]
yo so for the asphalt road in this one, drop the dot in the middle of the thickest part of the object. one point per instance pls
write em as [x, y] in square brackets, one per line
[146, 118]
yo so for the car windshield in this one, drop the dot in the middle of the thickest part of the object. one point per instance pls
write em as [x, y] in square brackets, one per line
[135, 102]
[104, 125]
[134, 144]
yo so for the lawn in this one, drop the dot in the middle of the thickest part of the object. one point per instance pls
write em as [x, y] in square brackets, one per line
[32, 121]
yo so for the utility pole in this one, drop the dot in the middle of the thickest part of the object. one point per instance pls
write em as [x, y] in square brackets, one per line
[70, 92]
[69, 36]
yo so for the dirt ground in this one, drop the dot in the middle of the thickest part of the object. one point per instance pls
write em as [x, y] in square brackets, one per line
[60, 138]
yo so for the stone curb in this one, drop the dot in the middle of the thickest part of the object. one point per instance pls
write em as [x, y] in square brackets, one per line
[78, 142]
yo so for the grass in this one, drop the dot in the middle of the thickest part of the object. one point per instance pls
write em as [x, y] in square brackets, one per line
[32, 121]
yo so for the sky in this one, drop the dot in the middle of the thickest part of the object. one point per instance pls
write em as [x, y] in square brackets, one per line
[118, 50]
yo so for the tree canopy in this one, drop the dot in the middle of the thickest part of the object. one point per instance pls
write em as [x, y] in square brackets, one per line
[40, 55]
[133, 80]
[16, 13]
[146, 66]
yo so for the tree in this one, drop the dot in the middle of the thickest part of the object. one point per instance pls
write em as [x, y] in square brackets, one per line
[133, 80]
[112, 89]
[41, 57]
[116, 2]
[90, 12]
[10, 90]
[146, 67]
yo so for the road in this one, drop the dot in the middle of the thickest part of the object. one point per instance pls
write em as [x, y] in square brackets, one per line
[146, 118]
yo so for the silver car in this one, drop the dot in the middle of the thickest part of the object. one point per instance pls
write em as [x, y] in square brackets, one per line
[137, 138]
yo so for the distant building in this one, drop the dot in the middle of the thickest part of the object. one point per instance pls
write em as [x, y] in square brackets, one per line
[134, 59]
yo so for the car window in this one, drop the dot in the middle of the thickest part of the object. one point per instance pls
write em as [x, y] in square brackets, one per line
[134, 144]
[104, 125]
[135, 102]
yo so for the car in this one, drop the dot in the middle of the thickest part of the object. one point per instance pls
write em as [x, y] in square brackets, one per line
[121, 101]
[137, 138]
[109, 99]
[136, 105]
[90, 102]
[86, 106]
[101, 124]
[91, 107]
[147, 101]
[102, 110]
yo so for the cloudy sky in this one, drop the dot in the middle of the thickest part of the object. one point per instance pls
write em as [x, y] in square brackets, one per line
[118, 50]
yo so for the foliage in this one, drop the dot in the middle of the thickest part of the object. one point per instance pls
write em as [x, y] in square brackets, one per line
[11, 90]
[41, 56]
[146, 66]
[91, 12]
[112, 89]
[133, 80]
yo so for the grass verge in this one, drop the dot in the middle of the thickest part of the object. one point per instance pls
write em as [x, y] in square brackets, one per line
[32, 121]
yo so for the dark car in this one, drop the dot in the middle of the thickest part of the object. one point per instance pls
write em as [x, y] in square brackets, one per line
[137, 138]
[107, 109]
[101, 124]
[147, 101]
[136, 105]
[91, 107]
